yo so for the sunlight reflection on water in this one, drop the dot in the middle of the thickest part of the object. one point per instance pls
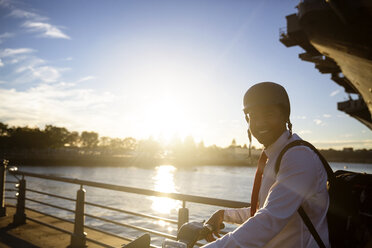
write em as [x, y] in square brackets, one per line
[164, 182]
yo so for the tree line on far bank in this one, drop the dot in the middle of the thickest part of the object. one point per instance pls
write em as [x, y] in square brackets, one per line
[26, 140]
[32, 145]
[57, 137]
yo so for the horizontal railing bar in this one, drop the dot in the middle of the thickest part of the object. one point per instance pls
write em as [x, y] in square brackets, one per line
[11, 198]
[108, 233]
[68, 232]
[106, 207]
[87, 226]
[115, 235]
[51, 205]
[109, 208]
[11, 190]
[106, 220]
[132, 213]
[49, 194]
[49, 215]
[11, 182]
[176, 196]
[134, 227]
[48, 225]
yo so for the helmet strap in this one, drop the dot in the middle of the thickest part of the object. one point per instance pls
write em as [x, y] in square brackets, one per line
[250, 142]
[289, 128]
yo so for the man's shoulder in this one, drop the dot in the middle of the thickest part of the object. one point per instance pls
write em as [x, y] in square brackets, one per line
[295, 144]
[299, 155]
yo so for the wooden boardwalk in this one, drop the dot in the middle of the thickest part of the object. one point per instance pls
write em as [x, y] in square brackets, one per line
[34, 235]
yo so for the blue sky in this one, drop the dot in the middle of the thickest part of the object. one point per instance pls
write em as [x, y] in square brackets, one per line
[160, 69]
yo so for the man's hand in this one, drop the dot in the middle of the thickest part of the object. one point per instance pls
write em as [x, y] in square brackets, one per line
[215, 221]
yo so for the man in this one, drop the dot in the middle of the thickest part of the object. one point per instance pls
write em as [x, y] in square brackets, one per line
[273, 220]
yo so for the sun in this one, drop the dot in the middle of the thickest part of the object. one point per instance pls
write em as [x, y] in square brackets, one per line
[168, 118]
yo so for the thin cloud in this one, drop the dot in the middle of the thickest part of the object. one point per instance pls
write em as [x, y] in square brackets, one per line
[301, 117]
[327, 116]
[9, 52]
[29, 68]
[5, 3]
[1, 63]
[346, 135]
[85, 79]
[17, 60]
[304, 132]
[4, 36]
[367, 143]
[333, 93]
[32, 68]
[48, 74]
[46, 30]
[318, 122]
[18, 13]
[35, 22]
[71, 107]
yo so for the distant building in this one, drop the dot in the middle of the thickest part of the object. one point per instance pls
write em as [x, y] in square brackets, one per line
[348, 149]
[241, 152]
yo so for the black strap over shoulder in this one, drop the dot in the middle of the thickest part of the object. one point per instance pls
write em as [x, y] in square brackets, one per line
[311, 227]
[304, 143]
[330, 175]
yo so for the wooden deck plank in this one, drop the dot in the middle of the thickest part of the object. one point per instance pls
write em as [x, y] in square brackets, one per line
[32, 234]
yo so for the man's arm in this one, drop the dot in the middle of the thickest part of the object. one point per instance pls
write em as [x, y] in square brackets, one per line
[237, 215]
[296, 179]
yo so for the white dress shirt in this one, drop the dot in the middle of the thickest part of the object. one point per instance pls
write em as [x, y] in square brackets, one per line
[301, 180]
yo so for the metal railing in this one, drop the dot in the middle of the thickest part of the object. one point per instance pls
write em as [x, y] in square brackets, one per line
[78, 236]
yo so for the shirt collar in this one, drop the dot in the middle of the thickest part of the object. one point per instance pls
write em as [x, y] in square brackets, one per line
[273, 149]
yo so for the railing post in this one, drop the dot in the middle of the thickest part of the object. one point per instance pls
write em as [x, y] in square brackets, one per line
[183, 215]
[78, 238]
[2, 187]
[20, 217]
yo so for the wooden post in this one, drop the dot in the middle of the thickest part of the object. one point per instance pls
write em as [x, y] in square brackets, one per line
[19, 217]
[3, 166]
[183, 215]
[78, 238]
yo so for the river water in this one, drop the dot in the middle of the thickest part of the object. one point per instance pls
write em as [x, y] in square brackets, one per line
[224, 182]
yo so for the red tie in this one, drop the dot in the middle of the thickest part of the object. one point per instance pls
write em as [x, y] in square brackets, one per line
[257, 182]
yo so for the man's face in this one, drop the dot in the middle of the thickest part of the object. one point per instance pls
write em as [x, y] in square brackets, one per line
[267, 123]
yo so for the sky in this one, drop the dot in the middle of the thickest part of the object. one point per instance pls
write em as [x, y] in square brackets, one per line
[163, 69]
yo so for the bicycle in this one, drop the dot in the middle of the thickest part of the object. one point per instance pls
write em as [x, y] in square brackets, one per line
[187, 236]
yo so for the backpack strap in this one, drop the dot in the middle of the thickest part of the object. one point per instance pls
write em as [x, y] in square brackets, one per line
[330, 175]
[328, 168]
[311, 227]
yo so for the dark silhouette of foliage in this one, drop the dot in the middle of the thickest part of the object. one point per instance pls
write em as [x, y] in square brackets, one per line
[57, 136]
[89, 139]
[53, 145]
[73, 139]
[28, 138]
